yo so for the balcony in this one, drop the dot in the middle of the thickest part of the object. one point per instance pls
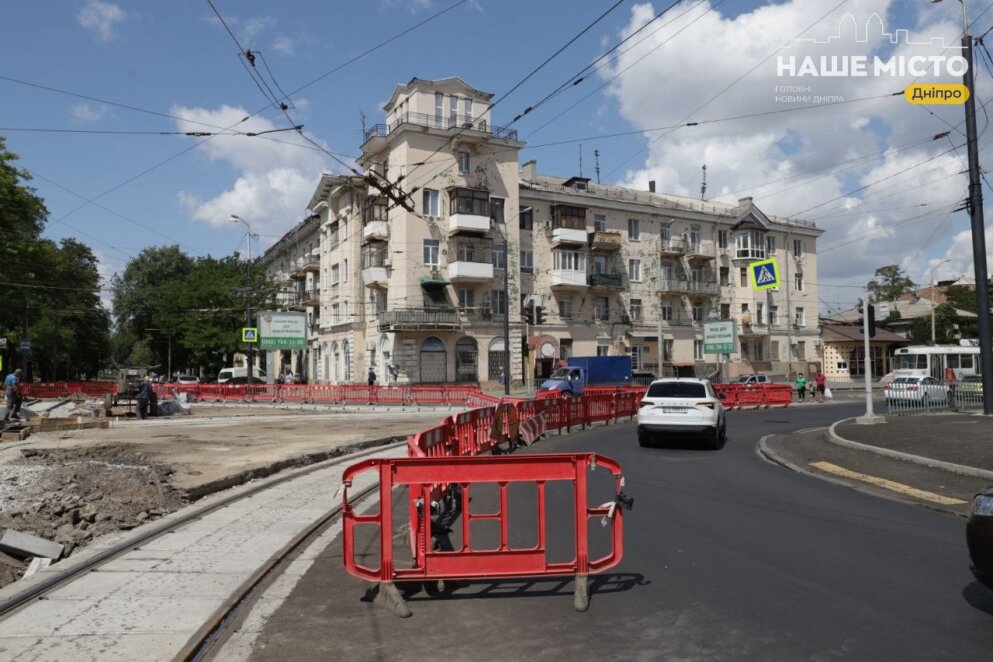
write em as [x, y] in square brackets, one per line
[312, 263]
[470, 260]
[605, 240]
[376, 230]
[375, 269]
[465, 125]
[567, 279]
[563, 236]
[468, 223]
[674, 286]
[308, 298]
[607, 281]
[702, 288]
[418, 318]
[672, 247]
[461, 271]
[701, 251]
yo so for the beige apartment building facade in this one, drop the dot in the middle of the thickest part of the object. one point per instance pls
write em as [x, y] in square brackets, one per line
[419, 295]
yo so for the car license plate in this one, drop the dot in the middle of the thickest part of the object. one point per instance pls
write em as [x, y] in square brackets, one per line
[673, 410]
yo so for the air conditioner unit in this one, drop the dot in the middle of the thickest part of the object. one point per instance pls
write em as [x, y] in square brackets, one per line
[619, 340]
[773, 289]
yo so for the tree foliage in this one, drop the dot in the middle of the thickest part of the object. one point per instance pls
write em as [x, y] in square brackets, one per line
[889, 284]
[947, 327]
[50, 289]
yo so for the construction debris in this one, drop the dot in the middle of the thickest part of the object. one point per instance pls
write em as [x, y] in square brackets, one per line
[25, 545]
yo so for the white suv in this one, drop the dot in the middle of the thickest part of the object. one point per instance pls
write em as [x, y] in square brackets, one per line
[682, 406]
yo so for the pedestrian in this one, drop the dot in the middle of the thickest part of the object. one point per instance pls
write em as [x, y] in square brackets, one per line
[12, 391]
[144, 396]
[289, 377]
[372, 377]
[821, 382]
[801, 386]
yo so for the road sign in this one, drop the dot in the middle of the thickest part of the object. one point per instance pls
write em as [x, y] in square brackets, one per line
[282, 330]
[719, 337]
[765, 274]
[25, 347]
[249, 334]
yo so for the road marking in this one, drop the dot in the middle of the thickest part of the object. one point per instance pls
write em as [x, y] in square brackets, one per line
[887, 484]
[806, 430]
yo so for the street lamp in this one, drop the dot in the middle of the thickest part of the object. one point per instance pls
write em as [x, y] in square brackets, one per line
[931, 297]
[248, 292]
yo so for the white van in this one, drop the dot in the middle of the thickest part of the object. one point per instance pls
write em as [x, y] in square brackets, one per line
[239, 376]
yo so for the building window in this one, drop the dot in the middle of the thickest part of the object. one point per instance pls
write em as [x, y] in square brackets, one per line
[665, 310]
[467, 110]
[333, 235]
[601, 309]
[697, 312]
[634, 310]
[696, 274]
[527, 262]
[496, 210]
[634, 229]
[749, 245]
[760, 313]
[773, 315]
[599, 264]
[666, 273]
[743, 274]
[526, 215]
[698, 350]
[725, 311]
[469, 201]
[499, 302]
[770, 245]
[634, 270]
[798, 282]
[430, 201]
[497, 354]
[696, 237]
[759, 354]
[725, 277]
[599, 222]
[334, 275]
[636, 357]
[565, 308]
[603, 350]
[431, 252]
[565, 348]
[499, 257]
[344, 272]
[373, 209]
[798, 248]
[801, 350]
[799, 318]
[722, 238]
[439, 102]
[463, 162]
[453, 111]
[569, 260]
[335, 314]
[774, 350]
[467, 298]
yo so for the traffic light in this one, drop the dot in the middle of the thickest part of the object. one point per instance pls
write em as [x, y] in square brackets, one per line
[529, 313]
[539, 315]
[872, 321]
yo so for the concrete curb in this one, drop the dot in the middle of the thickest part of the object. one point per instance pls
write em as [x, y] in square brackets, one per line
[836, 439]
[770, 456]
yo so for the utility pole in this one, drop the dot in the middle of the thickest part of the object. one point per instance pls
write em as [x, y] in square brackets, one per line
[870, 417]
[596, 160]
[248, 294]
[506, 314]
[978, 226]
[658, 374]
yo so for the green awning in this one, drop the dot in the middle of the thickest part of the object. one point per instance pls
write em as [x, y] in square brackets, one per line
[433, 282]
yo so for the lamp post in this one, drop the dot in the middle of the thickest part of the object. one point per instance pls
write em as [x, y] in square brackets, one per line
[248, 292]
[169, 360]
[931, 297]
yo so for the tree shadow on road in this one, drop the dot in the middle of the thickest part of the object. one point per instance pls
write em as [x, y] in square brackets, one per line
[604, 584]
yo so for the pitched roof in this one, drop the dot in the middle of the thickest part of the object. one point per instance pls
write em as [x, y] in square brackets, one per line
[854, 332]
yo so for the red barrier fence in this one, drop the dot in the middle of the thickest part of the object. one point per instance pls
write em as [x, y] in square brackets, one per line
[754, 395]
[457, 395]
[488, 559]
[65, 389]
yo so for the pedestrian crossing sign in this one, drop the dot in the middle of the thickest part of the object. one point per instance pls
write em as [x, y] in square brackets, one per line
[249, 334]
[765, 274]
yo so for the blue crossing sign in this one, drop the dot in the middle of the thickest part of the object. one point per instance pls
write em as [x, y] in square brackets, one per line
[249, 334]
[765, 274]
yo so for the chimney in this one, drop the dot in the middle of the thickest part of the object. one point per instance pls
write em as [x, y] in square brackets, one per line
[530, 169]
[744, 203]
[651, 186]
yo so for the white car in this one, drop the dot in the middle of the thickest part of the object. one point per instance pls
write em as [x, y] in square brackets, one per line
[916, 389]
[187, 380]
[682, 406]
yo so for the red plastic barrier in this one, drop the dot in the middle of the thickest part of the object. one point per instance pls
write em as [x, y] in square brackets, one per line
[778, 394]
[471, 559]
[751, 396]
[460, 394]
[598, 407]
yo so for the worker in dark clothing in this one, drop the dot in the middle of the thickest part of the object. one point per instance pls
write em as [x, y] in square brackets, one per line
[144, 396]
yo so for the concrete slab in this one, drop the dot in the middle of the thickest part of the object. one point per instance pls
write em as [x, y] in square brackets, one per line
[121, 585]
[26, 545]
[127, 648]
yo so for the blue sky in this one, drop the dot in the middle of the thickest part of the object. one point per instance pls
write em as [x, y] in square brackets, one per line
[176, 58]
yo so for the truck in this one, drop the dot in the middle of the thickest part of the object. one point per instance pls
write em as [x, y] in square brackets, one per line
[583, 371]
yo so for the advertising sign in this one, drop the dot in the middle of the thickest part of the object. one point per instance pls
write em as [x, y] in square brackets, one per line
[281, 330]
[719, 337]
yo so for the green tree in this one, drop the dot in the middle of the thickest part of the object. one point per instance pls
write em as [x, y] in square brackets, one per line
[964, 298]
[947, 327]
[889, 284]
[141, 354]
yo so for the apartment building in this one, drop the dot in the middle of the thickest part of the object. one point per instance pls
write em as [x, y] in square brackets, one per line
[294, 264]
[420, 296]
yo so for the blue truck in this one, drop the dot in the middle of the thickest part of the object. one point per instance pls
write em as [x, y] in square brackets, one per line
[583, 371]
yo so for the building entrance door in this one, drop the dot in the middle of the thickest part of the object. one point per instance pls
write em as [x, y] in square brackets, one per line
[543, 369]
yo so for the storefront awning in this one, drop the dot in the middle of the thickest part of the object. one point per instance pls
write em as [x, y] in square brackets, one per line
[646, 335]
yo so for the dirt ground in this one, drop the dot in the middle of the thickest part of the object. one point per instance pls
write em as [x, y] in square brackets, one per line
[73, 486]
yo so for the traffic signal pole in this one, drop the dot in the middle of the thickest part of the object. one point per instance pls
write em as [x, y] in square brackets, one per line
[506, 317]
[978, 229]
[870, 417]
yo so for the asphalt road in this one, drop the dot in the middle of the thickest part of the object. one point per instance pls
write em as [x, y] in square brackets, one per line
[727, 557]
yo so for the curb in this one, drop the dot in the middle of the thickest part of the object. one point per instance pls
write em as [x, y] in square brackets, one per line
[836, 439]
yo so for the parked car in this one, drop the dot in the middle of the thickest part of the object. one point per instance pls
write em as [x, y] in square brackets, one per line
[228, 375]
[754, 379]
[979, 537]
[584, 371]
[916, 389]
[678, 405]
[971, 384]
[187, 379]
[642, 378]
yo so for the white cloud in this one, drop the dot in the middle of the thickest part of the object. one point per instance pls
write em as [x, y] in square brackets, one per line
[100, 18]
[284, 45]
[85, 112]
[769, 157]
[275, 179]
[960, 259]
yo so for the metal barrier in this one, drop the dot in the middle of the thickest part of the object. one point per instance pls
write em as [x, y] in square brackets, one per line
[924, 397]
[93, 389]
[468, 561]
